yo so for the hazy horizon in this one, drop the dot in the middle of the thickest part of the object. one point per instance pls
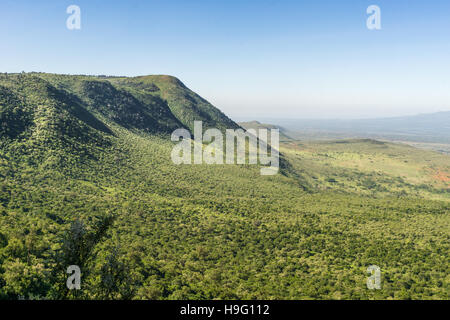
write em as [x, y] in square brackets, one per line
[262, 119]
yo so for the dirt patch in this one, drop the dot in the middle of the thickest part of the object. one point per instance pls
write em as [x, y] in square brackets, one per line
[442, 176]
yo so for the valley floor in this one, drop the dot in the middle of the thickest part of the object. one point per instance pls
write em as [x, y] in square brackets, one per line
[143, 228]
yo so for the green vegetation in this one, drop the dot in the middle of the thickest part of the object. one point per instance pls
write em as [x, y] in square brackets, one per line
[86, 179]
[371, 167]
[257, 125]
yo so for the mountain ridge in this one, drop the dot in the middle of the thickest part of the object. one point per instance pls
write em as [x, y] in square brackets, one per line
[157, 104]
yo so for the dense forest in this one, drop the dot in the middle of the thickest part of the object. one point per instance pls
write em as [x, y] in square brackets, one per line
[86, 179]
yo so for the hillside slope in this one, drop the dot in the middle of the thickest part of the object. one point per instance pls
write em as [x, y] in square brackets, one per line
[258, 125]
[186, 105]
[166, 98]
[84, 182]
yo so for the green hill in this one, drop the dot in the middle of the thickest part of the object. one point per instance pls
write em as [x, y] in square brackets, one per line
[46, 125]
[165, 98]
[86, 178]
[258, 125]
[186, 105]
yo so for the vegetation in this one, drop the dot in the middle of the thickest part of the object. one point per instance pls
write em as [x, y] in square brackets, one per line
[257, 126]
[91, 183]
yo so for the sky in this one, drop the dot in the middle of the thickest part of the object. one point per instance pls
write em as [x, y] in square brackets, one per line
[251, 59]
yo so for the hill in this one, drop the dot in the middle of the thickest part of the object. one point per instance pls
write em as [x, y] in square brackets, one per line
[165, 98]
[86, 179]
[257, 125]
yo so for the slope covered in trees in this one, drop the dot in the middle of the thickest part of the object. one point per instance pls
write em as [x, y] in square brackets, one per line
[86, 178]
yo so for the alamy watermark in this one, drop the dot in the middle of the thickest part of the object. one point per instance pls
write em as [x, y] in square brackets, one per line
[241, 147]
[374, 281]
[73, 22]
[374, 20]
[74, 280]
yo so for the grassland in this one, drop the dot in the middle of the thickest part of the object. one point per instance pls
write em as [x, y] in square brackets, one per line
[372, 167]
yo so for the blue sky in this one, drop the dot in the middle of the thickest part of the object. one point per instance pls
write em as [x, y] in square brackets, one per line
[252, 59]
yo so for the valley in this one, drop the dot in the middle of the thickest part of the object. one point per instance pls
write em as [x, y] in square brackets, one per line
[86, 179]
